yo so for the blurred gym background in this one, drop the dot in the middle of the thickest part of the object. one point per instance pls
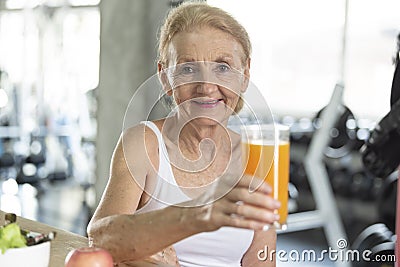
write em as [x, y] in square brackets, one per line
[68, 69]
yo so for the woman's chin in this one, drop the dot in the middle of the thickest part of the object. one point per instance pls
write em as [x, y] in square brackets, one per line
[210, 121]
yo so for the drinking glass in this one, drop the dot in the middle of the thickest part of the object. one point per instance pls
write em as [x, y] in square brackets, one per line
[265, 154]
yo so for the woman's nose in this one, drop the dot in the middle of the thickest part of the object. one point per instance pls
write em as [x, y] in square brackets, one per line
[206, 88]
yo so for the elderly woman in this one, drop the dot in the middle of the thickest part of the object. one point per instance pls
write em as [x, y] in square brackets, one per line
[198, 221]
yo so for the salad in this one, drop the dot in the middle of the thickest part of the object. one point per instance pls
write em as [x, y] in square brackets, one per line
[12, 236]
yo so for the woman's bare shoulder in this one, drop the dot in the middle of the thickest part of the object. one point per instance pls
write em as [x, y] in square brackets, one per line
[138, 137]
[140, 146]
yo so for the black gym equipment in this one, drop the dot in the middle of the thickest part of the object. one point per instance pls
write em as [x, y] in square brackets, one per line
[343, 135]
[27, 174]
[341, 181]
[379, 240]
[36, 159]
[381, 156]
[371, 236]
[385, 253]
[7, 160]
[381, 153]
[363, 185]
[298, 175]
[29, 165]
[387, 201]
[396, 77]
[57, 176]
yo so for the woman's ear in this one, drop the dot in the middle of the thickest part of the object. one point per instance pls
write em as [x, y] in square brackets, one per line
[246, 75]
[162, 76]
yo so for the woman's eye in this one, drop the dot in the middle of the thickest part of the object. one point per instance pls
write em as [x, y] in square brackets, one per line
[186, 69]
[223, 67]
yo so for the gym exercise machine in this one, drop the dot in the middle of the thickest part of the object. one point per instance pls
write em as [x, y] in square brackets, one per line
[326, 214]
[381, 156]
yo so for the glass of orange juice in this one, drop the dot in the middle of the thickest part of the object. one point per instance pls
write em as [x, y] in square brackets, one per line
[265, 154]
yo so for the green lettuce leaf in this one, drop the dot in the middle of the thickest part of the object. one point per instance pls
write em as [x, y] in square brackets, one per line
[11, 237]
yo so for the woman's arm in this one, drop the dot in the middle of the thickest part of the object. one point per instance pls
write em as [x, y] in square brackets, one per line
[127, 236]
[262, 251]
[133, 237]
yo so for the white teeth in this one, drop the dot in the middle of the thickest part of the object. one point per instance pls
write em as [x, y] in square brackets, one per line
[207, 102]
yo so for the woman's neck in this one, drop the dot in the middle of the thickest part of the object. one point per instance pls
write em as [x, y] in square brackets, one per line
[193, 138]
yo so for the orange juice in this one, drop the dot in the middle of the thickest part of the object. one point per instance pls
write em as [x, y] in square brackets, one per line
[261, 163]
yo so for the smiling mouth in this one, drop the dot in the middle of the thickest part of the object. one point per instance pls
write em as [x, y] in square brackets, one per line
[207, 103]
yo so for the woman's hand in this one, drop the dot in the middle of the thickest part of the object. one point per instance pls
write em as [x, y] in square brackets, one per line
[167, 257]
[248, 204]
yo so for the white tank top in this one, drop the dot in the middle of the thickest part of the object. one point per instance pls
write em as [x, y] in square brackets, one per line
[222, 248]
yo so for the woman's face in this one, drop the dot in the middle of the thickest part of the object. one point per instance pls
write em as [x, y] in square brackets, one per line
[207, 74]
